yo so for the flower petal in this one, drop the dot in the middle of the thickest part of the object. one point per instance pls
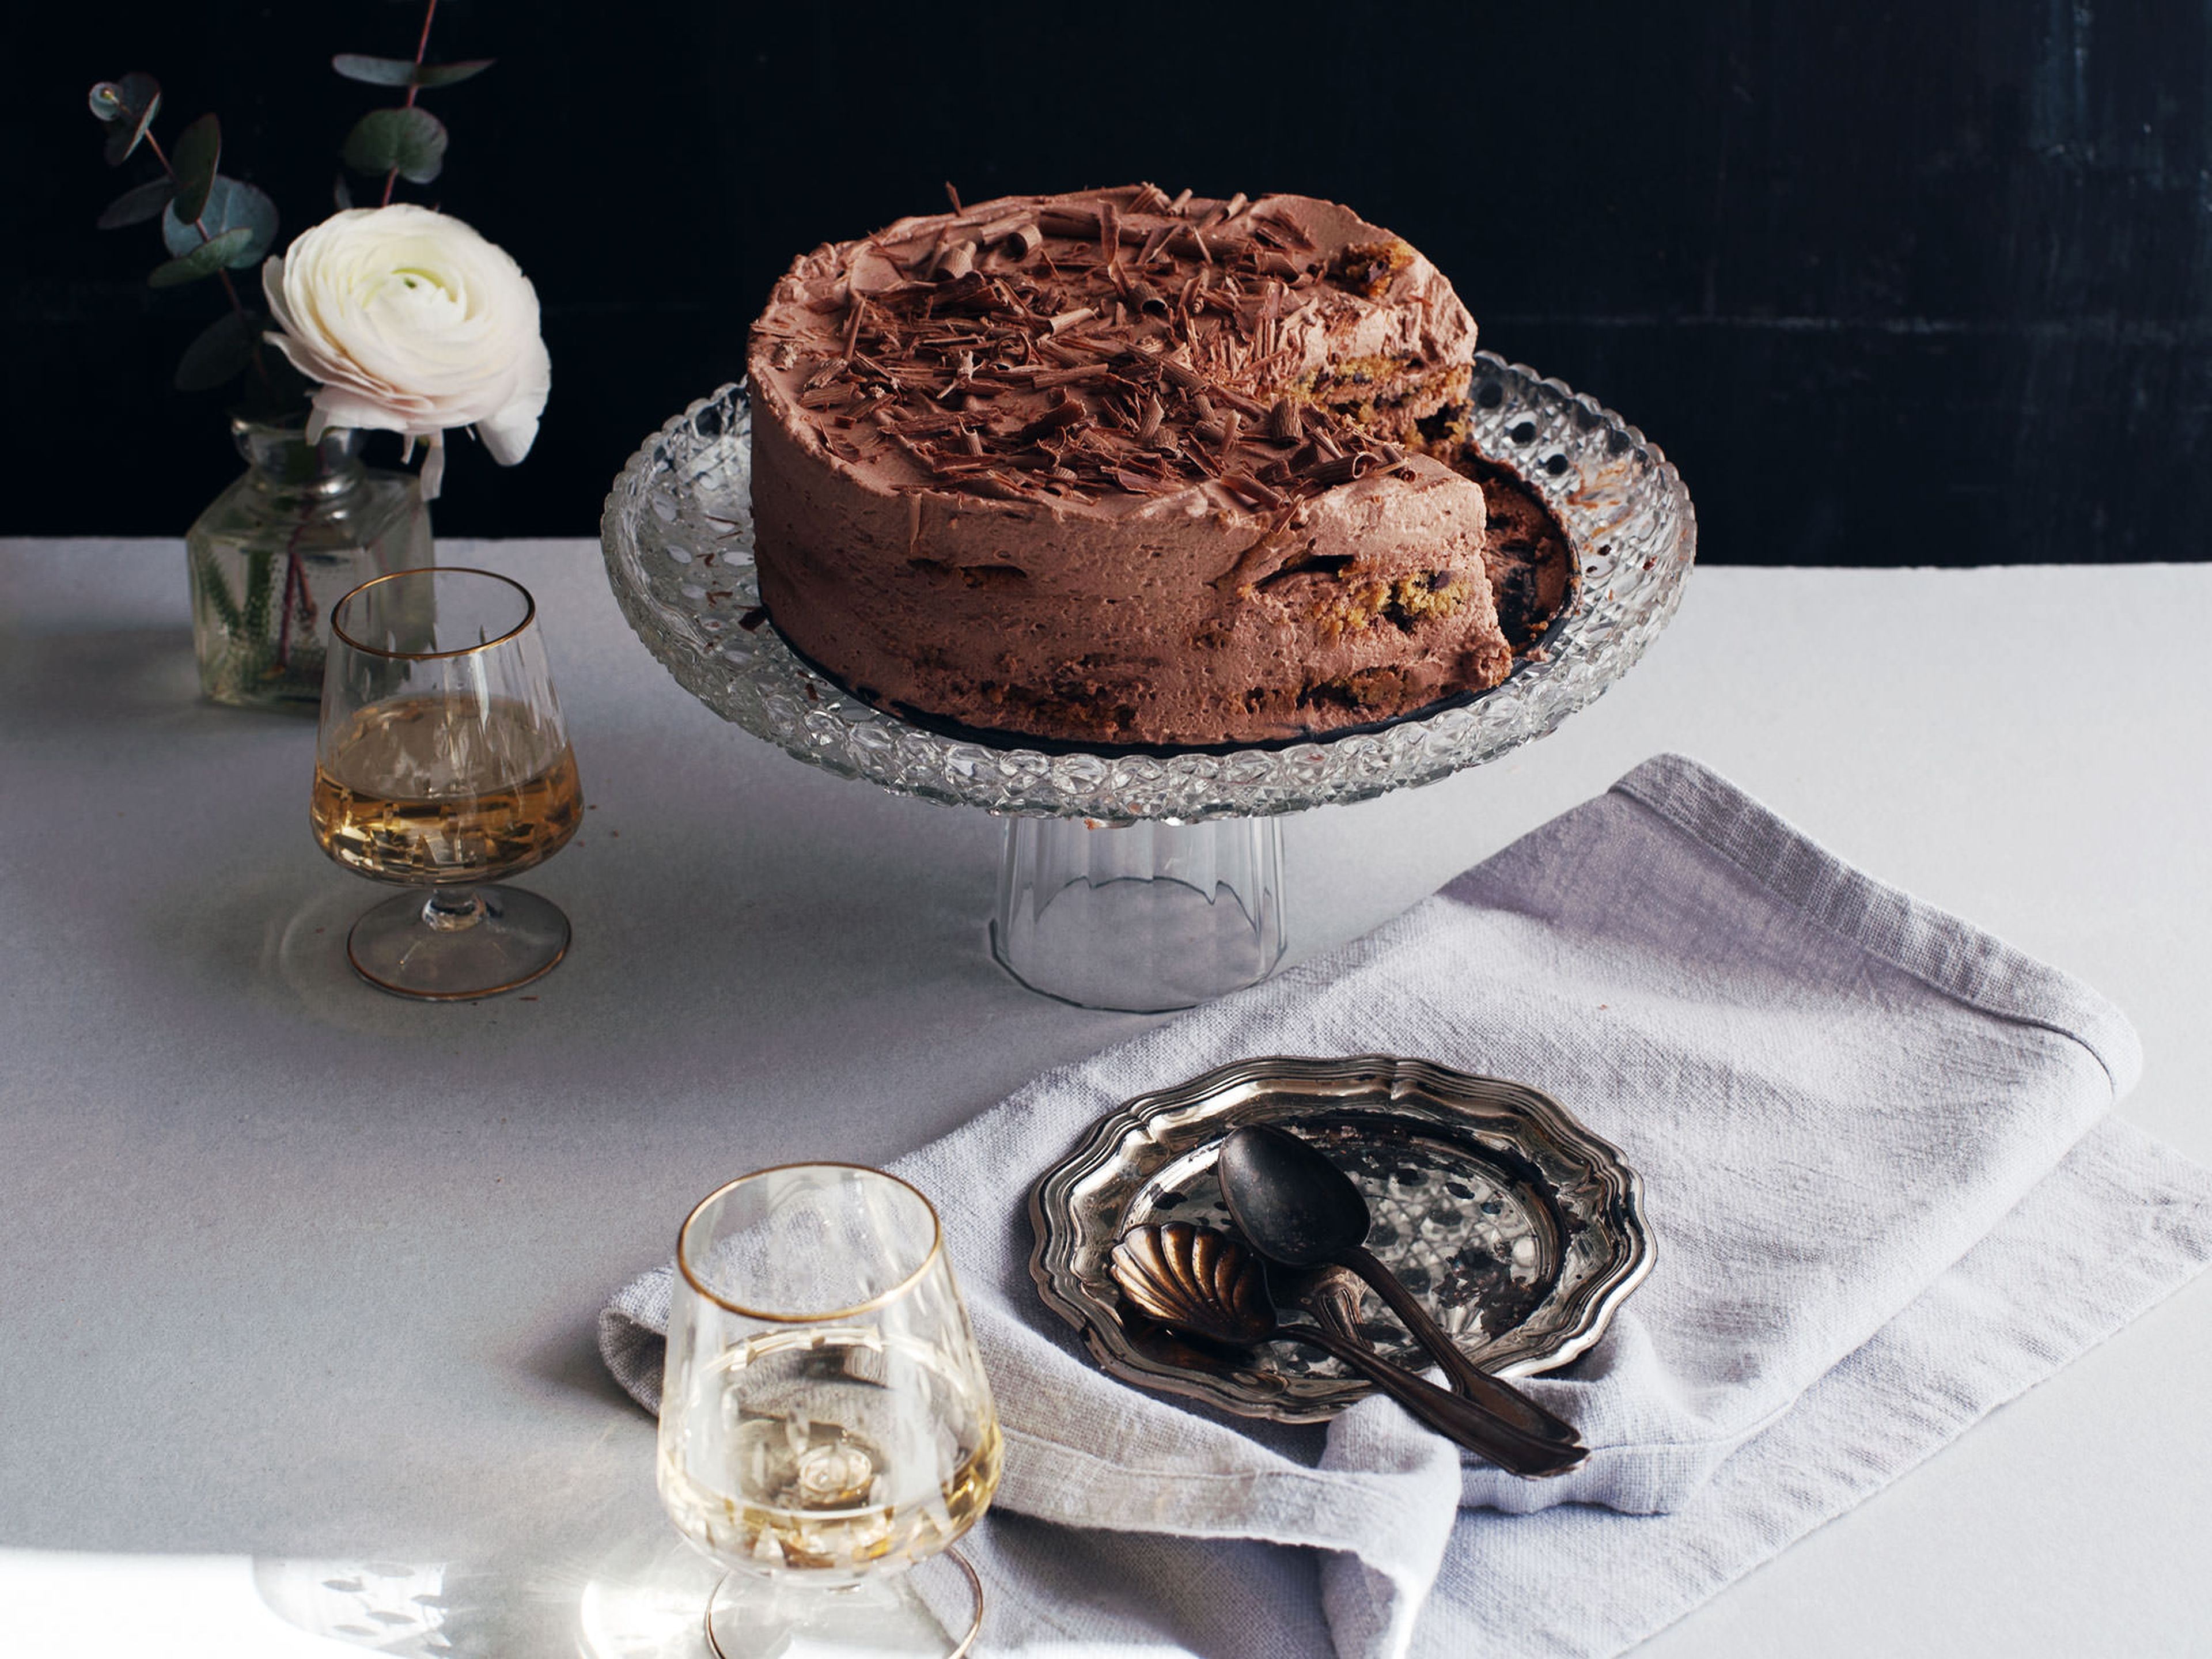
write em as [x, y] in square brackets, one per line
[510, 431]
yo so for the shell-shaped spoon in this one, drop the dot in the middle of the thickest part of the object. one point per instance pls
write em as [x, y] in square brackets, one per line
[1201, 1281]
[1196, 1279]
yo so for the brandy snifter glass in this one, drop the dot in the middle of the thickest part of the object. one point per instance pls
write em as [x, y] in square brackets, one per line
[442, 763]
[826, 1429]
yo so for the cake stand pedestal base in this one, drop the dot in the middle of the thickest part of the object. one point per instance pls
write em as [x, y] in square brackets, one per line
[1139, 918]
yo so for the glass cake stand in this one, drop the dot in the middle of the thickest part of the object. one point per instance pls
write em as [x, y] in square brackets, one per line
[1141, 878]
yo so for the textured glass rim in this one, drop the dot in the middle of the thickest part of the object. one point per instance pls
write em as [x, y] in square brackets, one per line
[529, 614]
[1629, 522]
[882, 1298]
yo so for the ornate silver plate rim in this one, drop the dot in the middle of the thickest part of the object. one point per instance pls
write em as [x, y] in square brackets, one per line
[677, 533]
[1084, 1203]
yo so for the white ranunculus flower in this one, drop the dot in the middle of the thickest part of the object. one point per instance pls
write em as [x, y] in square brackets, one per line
[415, 323]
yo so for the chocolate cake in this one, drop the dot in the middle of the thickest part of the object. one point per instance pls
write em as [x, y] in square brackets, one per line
[1117, 467]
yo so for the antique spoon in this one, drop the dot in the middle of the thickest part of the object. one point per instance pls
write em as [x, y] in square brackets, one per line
[1300, 1209]
[1201, 1282]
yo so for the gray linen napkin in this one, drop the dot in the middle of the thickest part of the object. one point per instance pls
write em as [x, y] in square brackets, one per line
[1873, 1167]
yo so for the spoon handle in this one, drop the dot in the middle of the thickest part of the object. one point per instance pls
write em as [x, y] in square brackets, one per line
[1458, 1420]
[1501, 1398]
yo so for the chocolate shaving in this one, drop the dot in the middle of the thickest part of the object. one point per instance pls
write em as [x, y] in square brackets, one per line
[953, 195]
[1284, 425]
[956, 260]
[1066, 412]
[1251, 489]
[1070, 376]
[1182, 201]
[1149, 302]
[852, 324]
[1343, 469]
[1147, 199]
[1068, 320]
[1078, 223]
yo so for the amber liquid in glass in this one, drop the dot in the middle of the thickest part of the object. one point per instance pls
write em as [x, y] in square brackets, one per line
[821, 1469]
[438, 789]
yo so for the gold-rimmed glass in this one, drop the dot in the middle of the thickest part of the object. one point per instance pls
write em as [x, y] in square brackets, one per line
[826, 1429]
[442, 762]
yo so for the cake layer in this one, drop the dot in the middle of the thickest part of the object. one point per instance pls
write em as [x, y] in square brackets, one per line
[1532, 568]
[1116, 467]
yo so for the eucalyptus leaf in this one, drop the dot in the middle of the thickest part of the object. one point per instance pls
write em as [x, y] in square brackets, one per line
[230, 202]
[139, 203]
[129, 106]
[410, 140]
[204, 260]
[404, 72]
[127, 100]
[192, 160]
[448, 74]
[224, 347]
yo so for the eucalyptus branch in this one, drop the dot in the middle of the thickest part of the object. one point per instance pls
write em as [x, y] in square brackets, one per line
[405, 140]
[422, 46]
[199, 223]
[230, 288]
[210, 223]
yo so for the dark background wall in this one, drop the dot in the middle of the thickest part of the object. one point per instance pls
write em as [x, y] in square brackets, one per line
[1921, 284]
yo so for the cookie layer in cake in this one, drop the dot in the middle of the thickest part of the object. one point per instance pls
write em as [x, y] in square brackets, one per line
[1120, 467]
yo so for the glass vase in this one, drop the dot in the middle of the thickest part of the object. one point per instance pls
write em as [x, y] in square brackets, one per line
[305, 526]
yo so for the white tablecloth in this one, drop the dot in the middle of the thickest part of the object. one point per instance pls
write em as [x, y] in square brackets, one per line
[297, 1276]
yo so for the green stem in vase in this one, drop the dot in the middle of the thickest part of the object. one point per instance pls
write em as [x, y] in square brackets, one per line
[216, 591]
[254, 621]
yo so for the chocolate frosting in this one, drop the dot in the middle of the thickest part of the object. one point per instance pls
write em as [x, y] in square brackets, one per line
[1116, 467]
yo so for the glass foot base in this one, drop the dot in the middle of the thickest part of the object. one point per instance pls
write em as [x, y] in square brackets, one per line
[1139, 918]
[933, 1610]
[457, 945]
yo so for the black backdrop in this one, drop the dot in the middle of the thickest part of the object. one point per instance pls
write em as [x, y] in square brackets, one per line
[1916, 283]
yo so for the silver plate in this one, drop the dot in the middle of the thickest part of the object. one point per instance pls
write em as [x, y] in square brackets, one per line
[1519, 1228]
[678, 533]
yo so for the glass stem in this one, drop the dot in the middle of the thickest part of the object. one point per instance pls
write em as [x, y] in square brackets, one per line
[449, 909]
